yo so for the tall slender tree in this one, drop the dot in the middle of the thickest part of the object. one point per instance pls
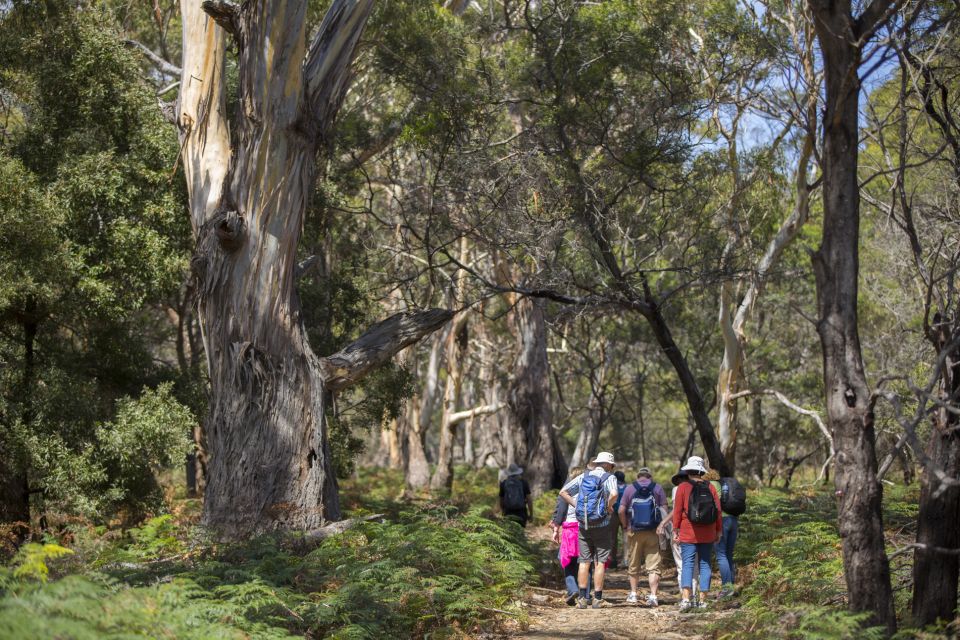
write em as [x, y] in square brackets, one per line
[842, 36]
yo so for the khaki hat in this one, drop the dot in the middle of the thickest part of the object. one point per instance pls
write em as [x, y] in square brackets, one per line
[604, 457]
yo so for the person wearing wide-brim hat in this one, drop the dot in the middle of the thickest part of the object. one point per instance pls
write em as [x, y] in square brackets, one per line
[595, 540]
[515, 499]
[696, 538]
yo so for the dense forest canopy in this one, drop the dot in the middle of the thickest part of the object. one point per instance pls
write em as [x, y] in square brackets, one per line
[282, 243]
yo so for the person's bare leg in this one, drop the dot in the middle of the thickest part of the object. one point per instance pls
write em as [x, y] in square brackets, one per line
[654, 579]
[686, 593]
[583, 575]
[634, 583]
[598, 572]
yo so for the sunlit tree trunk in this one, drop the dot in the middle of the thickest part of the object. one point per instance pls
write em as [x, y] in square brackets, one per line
[836, 267]
[269, 459]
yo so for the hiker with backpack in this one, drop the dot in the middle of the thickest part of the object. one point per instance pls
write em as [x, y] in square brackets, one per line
[515, 498]
[593, 495]
[565, 533]
[733, 502]
[696, 526]
[642, 509]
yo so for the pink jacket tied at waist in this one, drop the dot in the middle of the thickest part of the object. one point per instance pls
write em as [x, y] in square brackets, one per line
[569, 546]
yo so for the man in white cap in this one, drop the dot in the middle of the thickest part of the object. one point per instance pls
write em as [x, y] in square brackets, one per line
[593, 495]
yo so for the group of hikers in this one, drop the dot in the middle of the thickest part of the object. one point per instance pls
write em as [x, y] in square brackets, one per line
[596, 503]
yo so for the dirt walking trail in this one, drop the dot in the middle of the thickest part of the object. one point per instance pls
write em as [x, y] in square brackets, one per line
[550, 616]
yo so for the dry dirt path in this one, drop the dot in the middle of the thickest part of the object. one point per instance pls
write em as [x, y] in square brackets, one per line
[551, 618]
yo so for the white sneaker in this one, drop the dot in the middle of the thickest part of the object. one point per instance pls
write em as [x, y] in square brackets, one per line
[702, 603]
[632, 598]
[652, 601]
[685, 605]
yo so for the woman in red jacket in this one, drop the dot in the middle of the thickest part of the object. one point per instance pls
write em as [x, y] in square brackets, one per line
[697, 525]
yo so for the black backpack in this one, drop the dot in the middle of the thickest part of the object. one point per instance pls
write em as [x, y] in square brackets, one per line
[514, 497]
[701, 508]
[733, 497]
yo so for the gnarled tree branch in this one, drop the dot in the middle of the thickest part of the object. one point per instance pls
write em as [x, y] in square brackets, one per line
[380, 343]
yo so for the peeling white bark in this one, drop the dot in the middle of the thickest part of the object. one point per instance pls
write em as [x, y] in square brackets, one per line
[269, 465]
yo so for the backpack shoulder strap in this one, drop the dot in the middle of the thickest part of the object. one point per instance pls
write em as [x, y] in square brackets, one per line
[636, 485]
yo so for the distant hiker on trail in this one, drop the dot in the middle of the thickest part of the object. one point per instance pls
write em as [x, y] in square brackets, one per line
[733, 502]
[566, 534]
[596, 493]
[515, 498]
[696, 526]
[642, 509]
[616, 553]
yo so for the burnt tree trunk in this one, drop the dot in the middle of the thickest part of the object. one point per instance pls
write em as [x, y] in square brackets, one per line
[269, 459]
[836, 267]
[530, 414]
[935, 575]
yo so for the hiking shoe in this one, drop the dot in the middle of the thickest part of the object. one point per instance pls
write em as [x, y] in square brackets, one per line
[582, 602]
[685, 605]
[726, 592]
[601, 603]
[652, 601]
[572, 599]
[632, 598]
[701, 604]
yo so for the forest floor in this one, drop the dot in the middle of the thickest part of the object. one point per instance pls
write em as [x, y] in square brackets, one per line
[551, 618]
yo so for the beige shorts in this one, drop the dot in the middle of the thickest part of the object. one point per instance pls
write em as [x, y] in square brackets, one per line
[643, 551]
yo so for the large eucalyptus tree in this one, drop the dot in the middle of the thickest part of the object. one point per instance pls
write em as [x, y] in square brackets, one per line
[269, 457]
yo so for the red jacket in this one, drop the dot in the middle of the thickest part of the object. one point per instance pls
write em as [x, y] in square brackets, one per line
[688, 531]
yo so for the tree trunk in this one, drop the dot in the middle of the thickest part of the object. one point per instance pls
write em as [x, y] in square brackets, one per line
[641, 426]
[530, 415]
[836, 266]
[269, 465]
[698, 410]
[417, 466]
[935, 575]
[729, 377]
[455, 349]
[14, 484]
[756, 421]
[596, 414]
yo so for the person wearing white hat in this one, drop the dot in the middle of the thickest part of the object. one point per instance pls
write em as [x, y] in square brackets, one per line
[696, 527]
[593, 495]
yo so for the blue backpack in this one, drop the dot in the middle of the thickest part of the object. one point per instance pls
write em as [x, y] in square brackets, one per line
[592, 500]
[644, 514]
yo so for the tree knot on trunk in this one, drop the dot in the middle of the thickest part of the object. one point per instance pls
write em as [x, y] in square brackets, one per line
[850, 397]
[230, 228]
